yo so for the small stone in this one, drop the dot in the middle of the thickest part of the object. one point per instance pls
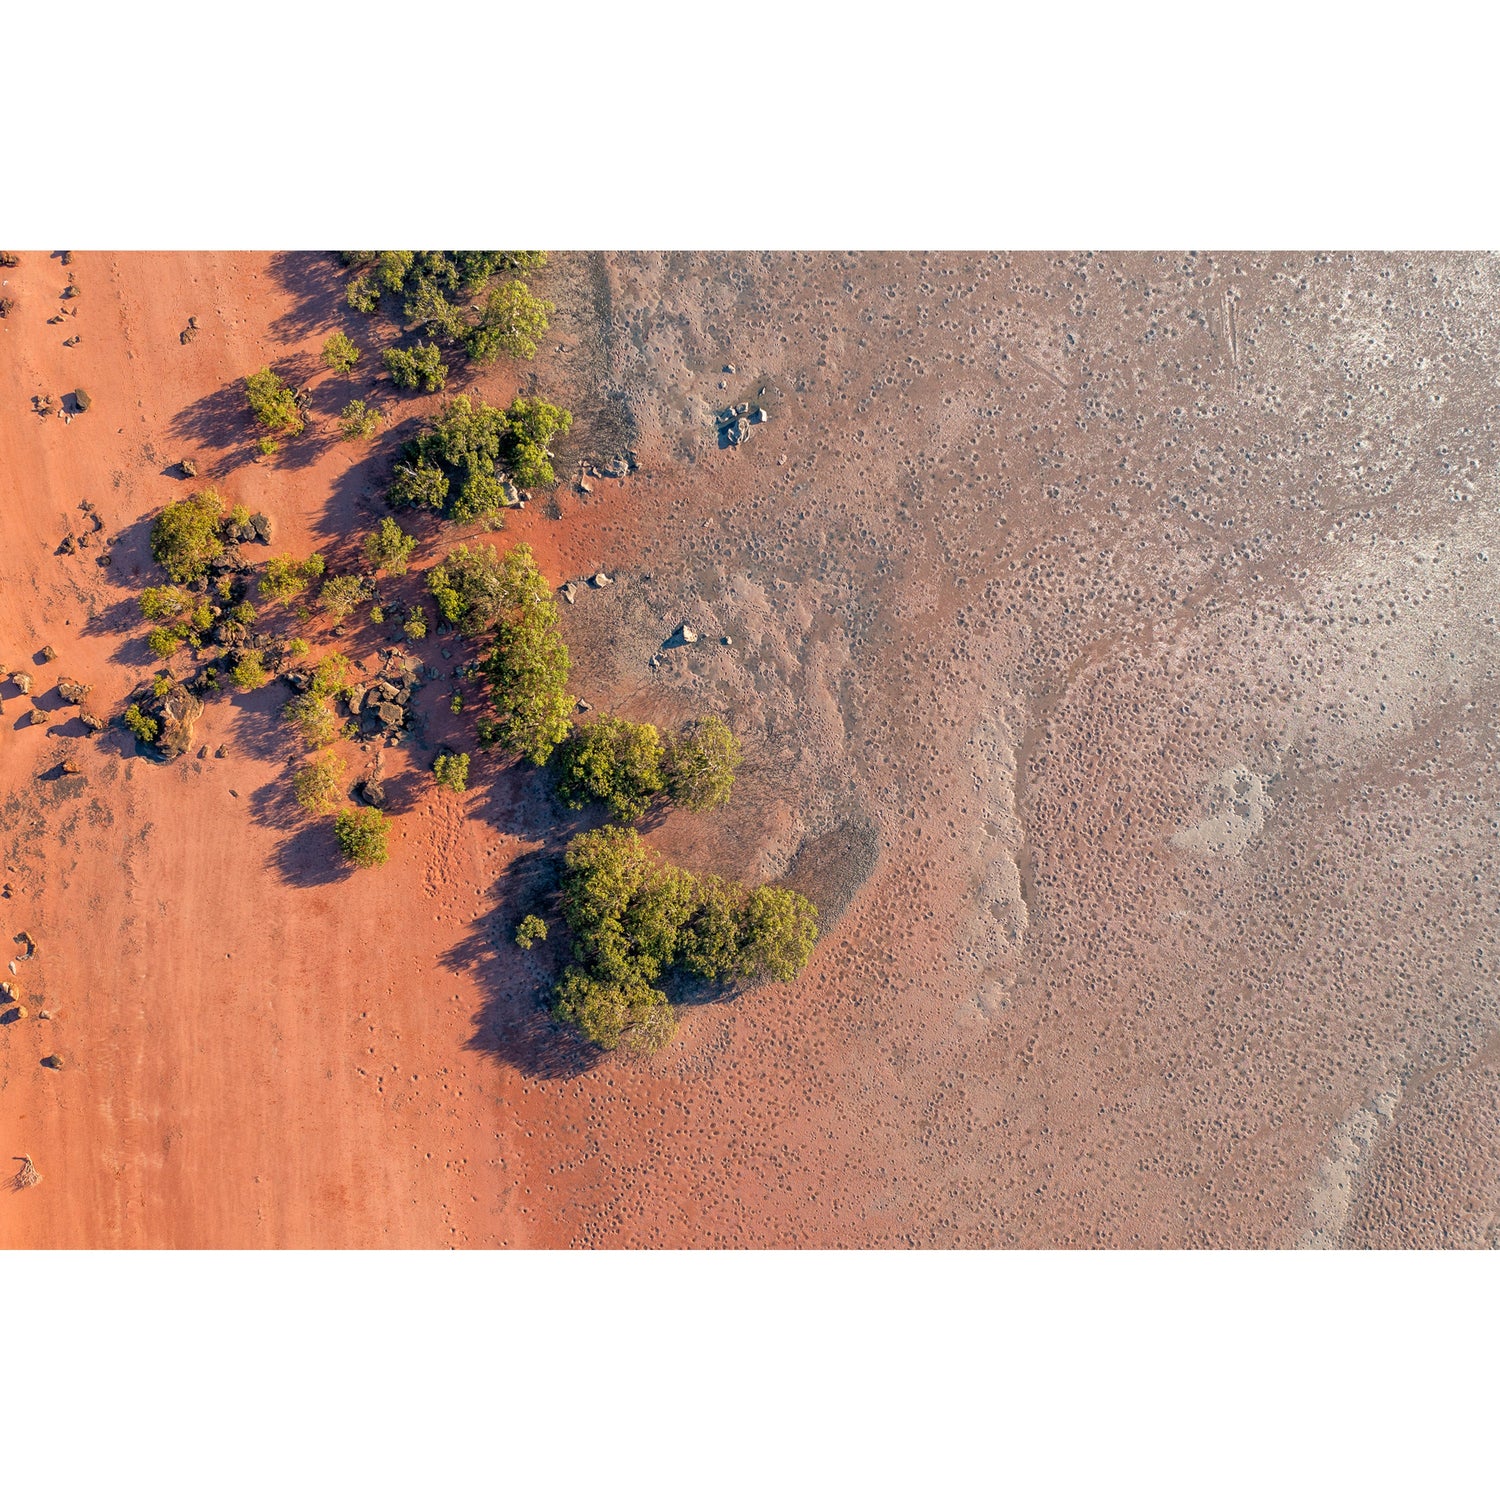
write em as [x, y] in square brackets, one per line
[584, 487]
[601, 580]
[727, 640]
[67, 545]
[54, 1061]
[221, 752]
[688, 633]
[760, 414]
[568, 592]
[49, 653]
[193, 323]
[584, 706]
[189, 468]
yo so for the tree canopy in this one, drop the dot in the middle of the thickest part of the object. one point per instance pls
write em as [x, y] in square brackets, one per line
[185, 536]
[273, 402]
[614, 761]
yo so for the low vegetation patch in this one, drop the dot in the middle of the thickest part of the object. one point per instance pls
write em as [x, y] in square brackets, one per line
[273, 403]
[361, 836]
[633, 918]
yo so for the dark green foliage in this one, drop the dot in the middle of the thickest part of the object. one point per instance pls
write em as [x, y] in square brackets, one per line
[469, 588]
[164, 641]
[389, 547]
[436, 287]
[274, 402]
[361, 836]
[341, 353]
[511, 322]
[699, 765]
[451, 771]
[632, 917]
[527, 665]
[250, 670]
[185, 537]
[456, 460]
[532, 929]
[531, 424]
[419, 368]
[613, 761]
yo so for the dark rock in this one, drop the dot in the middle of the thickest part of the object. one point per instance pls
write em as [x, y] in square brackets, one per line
[299, 682]
[262, 527]
[370, 792]
[67, 545]
[390, 714]
[54, 1061]
[48, 654]
[179, 712]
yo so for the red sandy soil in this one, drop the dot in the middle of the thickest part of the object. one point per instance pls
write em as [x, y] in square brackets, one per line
[1113, 640]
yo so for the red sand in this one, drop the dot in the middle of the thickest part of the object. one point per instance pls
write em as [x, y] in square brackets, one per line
[1117, 638]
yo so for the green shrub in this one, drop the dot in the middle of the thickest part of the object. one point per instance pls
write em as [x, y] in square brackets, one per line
[363, 294]
[527, 665]
[358, 420]
[320, 783]
[268, 447]
[613, 761]
[313, 719]
[699, 765]
[468, 587]
[164, 641]
[296, 647]
[250, 670]
[361, 836]
[419, 368]
[341, 353]
[331, 675]
[377, 615]
[285, 577]
[416, 623]
[141, 725]
[165, 602]
[456, 460]
[532, 929]
[452, 771]
[185, 536]
[780, 930]
[340, 595]
[531, 424]
[389, 547]
[273, 402]
[633, 917]
[511, 323]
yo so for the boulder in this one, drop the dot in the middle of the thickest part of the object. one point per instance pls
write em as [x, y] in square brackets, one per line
[262, 527]
[601, 580]
[92, 722]
[14, 1014]
[392, 715]
[189, 468]
[737, 431]
[23, 681]
[760, 414]
[370, 792]
[568, 592]
[71, 768]
[73, 692]
[179, 712]
[299, 682]
[687, 632]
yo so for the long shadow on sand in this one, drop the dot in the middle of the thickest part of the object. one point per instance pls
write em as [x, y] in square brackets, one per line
[317, 286]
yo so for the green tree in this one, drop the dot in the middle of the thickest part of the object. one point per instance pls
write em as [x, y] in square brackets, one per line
[418, 483]
[452, 771]
[165, 602]
[249, 671]
[313, 719]
[320, 783]
[340, 595]
[285, 577]
[389, 547]
[609, 1012]
[331, 675]
[699, 765]
[532, 929]
[273, 402]
[527, 664]
[185, 537]
[469, 588]
[361, 836]
[358, 420]
[418, 368]
[416, 623]
[614, 761]
[341, 353]
[531, 424]
[511, 323]
[780, 930]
